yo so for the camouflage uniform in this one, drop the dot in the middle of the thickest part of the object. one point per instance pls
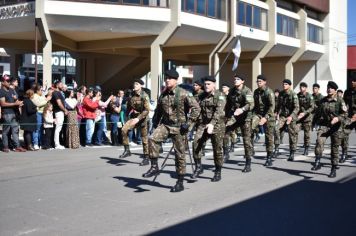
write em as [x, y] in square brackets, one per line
[264, 107]
[138, 106]
[242, 99]
[316, 114]
[350, 100]
[288, 105]
[306, 106]
[330, 107]
[212, 112]
[170, 112]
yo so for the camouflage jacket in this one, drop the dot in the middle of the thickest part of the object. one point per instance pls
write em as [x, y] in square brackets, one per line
[288, 104]
[212, 109]
[138, 106]
[306, 105]
[350, 100]
[239, 99]
[317, 98]
[197, 95]
[264, 102]
[331, 107]
[173, 107]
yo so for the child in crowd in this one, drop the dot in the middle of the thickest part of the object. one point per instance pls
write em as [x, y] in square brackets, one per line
[48, 122]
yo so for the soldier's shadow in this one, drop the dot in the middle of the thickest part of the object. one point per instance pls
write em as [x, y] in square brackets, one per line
[118, 161]
[137, 184]
[300, 173]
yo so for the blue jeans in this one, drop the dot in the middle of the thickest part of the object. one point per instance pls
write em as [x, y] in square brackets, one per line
[89, 128]
[37, 134]
[100, 132]
[114, 119]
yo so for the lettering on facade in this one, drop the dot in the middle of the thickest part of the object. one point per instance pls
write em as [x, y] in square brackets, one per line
[56, 61]
[19, 10]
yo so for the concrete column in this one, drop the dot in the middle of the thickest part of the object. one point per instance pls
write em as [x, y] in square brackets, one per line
[156, 47]
[15, 63]
[41, 22]
[272, 28]
[302, 30]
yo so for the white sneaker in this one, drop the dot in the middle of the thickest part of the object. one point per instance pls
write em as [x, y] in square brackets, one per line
[36, 147]
[132, 144]
[60, 147]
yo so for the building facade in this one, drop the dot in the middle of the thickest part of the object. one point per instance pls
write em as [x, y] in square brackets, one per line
[116, 41]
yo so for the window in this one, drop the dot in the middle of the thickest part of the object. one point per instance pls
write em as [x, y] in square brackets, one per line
[252, 16]
[201, 7]
[210, 8]
[287, 26]
[315, 34]
[138, 2]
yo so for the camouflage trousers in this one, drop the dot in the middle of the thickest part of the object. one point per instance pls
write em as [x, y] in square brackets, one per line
[200, 138]
[246, 135]
[144, 134]
[292, 131]
[269, 129]
[160, 134]
[334, 133]
[306, 126]
[346, 131]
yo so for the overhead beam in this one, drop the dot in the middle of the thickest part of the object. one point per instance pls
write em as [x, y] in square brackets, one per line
[17, 44]
[192, 49]
[144, 41]
[63, 41]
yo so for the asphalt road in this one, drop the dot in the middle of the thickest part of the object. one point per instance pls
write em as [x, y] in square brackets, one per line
[91, 192]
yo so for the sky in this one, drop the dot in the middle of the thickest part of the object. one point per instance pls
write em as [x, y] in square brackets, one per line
[351, 22]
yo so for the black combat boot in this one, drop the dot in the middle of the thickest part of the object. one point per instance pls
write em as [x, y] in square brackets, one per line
[160, 148]
[291, 156]
[145, 161]
[306, 151]
[226, 154]
[232, 147]
[217, 175]
[333, 171]
[247, 165]
[269, 160]
[153, 170]
[276, 152]
[342, 157]
[126, 152]
[203, 151]
[317, 164]
[198, 169]
[179, 187]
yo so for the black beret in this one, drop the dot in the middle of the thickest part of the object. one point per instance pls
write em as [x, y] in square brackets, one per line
[225, 85]
[172, 73]
[303, 84]
[200, 82]
[316, 85]
[261, 77]
[287, 81]
[139, 81]
[210, 78]
[239, 76]
[276, 91]
[340, 91]
[333, 85]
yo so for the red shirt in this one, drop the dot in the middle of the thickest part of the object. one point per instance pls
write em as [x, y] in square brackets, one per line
[89, 107]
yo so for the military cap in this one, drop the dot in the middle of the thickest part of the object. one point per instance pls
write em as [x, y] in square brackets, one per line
[303, 84]
[210, 78]
[139, 81]
[333, 85]
[276, 91]
[316, 85]
[225, 85]
[261, 77]
[172, 73]
[287, 81]
[340, 91]
[239, 76]
[199, 82]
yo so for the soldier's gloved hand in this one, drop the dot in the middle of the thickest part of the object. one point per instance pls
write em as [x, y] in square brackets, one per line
[209, 128]
[184, 128]
[238, 112]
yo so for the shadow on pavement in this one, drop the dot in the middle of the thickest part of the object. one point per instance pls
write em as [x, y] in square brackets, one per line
[118, 161]
[303, 208]
[137, 183]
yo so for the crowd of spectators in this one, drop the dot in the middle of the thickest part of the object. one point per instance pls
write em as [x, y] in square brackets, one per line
[61, 116]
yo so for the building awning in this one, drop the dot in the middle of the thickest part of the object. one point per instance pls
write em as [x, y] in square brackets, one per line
[351, 57]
